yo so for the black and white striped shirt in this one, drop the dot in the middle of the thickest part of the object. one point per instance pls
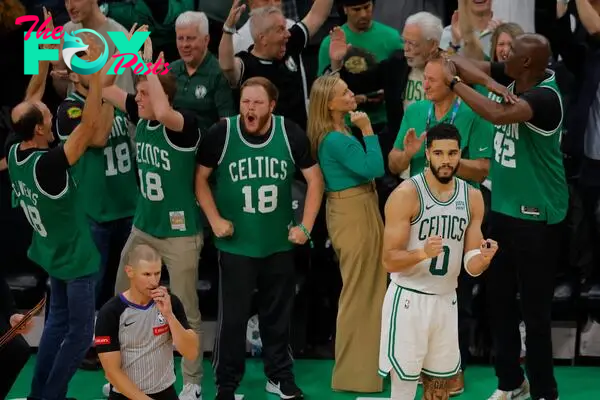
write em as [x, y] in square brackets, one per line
[141, 334]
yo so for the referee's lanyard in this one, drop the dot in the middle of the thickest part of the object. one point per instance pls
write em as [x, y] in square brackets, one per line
[455, 107]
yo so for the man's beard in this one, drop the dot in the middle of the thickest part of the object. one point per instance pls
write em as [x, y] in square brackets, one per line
[261, 122]
[443, 179]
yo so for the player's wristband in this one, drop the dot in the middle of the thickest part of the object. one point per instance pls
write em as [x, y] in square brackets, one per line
[307, 233]
[468, 257]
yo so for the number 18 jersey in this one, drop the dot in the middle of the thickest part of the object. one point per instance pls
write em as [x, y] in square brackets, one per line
[253, 190]
[449, 220]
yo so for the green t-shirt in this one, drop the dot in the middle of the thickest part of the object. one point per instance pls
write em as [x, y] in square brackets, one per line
[167, 206]
[62, 240]
[253, 190]
[344, 162]
[528, 174]
[206, 92]
[476, 134]
[380, 40]
[101, 173]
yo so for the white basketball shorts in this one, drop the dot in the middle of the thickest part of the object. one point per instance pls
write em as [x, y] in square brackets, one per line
[419, 333]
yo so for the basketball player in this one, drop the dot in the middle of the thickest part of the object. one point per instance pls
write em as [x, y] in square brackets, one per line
[61, 244]
[431, 220]
[253, 157]
[530, 200]
[137, 329]
[167, 216]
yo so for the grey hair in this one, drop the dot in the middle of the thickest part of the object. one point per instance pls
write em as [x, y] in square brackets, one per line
[142, 252]
[196, 18]
[431, 26]
[258, 20]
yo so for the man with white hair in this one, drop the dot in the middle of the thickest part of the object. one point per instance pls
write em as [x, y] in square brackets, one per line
[275, 53]
[201, 85]
[400, 76]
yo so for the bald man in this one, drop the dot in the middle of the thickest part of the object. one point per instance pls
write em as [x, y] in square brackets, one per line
[136, 331]
[529, 203]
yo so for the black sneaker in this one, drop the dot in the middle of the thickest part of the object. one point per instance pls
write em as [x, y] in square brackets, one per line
[225, 395]
[284, 389]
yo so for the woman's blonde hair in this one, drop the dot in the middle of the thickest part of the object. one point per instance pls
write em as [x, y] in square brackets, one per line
[320, 122]
[511, 28]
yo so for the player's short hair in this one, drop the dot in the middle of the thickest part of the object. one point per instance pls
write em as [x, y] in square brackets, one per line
[24, 127]
[266, 84]
[142, 252]
[443, 131]
[168, 82]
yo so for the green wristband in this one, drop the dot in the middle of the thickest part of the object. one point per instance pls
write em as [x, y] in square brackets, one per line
[303, 228]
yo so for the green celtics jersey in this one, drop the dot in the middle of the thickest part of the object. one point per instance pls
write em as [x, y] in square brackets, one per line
[253, 190]
[167, 206]
[62, 241]
[105, 176]
[528, 174]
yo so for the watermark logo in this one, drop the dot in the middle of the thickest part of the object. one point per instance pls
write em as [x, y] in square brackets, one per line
[128, 49]
[73, 45]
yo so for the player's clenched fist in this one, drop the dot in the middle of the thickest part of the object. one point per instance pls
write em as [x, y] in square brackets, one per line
[489, 248]
[223, 228]
[433, 246]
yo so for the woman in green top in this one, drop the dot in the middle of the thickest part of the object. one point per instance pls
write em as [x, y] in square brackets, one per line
[355, 228]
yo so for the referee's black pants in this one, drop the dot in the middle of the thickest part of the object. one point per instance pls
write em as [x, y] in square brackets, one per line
[526, 262]
[274, 277]
[13, 357]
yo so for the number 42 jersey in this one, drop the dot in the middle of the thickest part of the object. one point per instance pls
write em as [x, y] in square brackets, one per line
[450, 219]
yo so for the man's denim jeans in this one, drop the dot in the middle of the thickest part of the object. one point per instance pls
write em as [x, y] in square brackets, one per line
[104, 234]
[68, 333]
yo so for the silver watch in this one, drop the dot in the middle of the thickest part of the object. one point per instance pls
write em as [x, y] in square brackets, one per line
[229, 30]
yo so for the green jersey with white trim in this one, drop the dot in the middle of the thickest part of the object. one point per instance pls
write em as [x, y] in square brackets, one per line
[528, 174]
[449, 220]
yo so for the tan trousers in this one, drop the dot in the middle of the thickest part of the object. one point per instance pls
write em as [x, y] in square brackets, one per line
[356, 231]
[180, 255]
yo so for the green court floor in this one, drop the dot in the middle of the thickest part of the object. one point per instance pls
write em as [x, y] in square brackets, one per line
[576, 383]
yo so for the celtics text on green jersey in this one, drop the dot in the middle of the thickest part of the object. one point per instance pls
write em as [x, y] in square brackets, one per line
[253, 190]
[167, 205]
[450, 220]
[527, 172]
[62, 243]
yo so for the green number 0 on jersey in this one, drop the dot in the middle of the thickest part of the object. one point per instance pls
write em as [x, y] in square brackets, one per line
[440, 267]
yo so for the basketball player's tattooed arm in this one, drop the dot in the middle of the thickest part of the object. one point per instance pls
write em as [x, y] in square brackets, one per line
[401, 207]
[435, 388]
[478, 251]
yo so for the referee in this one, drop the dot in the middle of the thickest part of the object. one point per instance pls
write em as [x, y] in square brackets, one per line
[137, 329]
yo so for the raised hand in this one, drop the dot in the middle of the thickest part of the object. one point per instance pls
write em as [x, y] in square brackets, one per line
[338, 46]
[455, 29]
[234, 14]
[412, 142]
[433, 246]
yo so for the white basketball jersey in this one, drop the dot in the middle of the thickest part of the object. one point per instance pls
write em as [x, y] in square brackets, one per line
[449, 220]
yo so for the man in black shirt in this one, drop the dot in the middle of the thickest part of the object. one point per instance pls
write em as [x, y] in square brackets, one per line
[275, 54]
[253, 157]
[529, 203]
